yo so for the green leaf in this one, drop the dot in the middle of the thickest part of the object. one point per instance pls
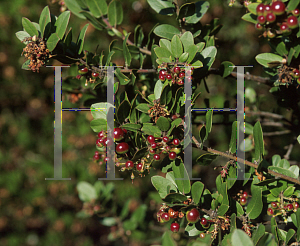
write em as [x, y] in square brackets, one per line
[292, 5]
[176, 46]
[97, 7]
[163, 52]
[289, 191]
[209, 55]
[139, 214]
[80, 39]
[193, 12]
[234, 137]
[62, 23]
[123, 111]
[255, 205]
[124, 80]
[45, 21]
[197, 190]
[158, 89]
[161, 184]
[99, 110]
[206, 159]
[75, 8]
[265, 58]
[96, 23]
[29, 27]
[175, 197]
[252, 8]
[86, 191]
[239, 237]
[283, 171]
[98, 125]
[298, 138]
[289, 236]
[250, 18]
[131, 126]
[192, 231]
[258, 141]
[208, 123]
[163, 123]
[52, 41]
[226, 68]
[138, 36]
[250, 94]
[166, 31]
[258, 233]
[25, 65]
[167, 239]
[181, 175]
[162, 7]
[165, 43]
[115, 13]
[192, 51]
[126, 52]
[184, 56]
[187, 40]
[21, 35]
[143, 107]
[149, 129]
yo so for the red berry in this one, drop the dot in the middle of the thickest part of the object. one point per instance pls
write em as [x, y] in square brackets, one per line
[267, 9]
[101, 134]
[118, 134]
[181, 75]
[122, 148]
[270, 211]
[169, 77]
[165, 217]
[172, 213]
[289, 207]
[174, 117]
[203, 221]
[172, 156]
[162, 77]
[296, 12]
[259, 27]
[83, 70]
[163, 72]
[175, 227]
[192, 216]
[245, 194]
[274, 204]
[99, 142]
[156, 157]
[153, 145]
[261, 19]
[151, 139]
[180, 82]
[176, 70]
[296, 205]
[176, 142]
[278, 7]
[96, 157]
[292, 22]
[107, 142]
[202, 235]
[165, 139]
[296, 73]
[129, 164]
[152, 151]
[270, 17]
[125, 131]
[140, 167]
[284, 27]
[95, 75]
[243, 201]
[260, 9]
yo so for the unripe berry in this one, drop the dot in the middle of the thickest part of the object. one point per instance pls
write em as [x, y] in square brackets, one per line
[83, 70]
[172, 213]
[292, 22]
[261, 19]
[192, 216]
[243, 201]
[175, 227]
[270, 211]
[278, 7]
[260, 9]
[271, 34]
[122, 148]
[129, 164]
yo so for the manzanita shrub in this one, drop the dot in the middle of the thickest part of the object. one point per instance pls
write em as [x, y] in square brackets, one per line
[150, 119]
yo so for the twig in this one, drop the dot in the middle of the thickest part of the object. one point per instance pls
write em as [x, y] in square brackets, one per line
[276, 133]
[268, 114]
[248, 163]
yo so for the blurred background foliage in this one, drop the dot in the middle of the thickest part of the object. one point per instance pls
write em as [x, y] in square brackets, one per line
[38, 212]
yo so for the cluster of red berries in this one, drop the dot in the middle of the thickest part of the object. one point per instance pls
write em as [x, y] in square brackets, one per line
[281, 209]
[243, 198]
[164, 146]
[90, 75]
[176, 75]
[296, 75]
[274, 19]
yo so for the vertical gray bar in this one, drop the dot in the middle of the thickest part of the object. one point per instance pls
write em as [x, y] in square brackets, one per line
[57, 127]
[241, 119]
[188, 161]
[110, 150]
